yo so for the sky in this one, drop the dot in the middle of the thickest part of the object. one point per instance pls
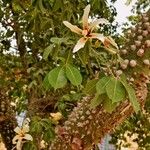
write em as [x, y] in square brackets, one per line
[123, 11]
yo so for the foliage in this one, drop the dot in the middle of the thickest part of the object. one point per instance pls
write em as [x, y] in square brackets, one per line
[40, 74]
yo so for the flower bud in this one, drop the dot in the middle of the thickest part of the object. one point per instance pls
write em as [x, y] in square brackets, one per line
[133, 29]
[145, 33]
[133, 63]
[133, 47]
[148, 29]
[132, 79]
[144, 15]
[140, 23]
[126, 61]
[123, 66]
[129, 32]
[146, 24]
[139, 31]
[145, 19]
[138, 43]
[140, 37]
[140, 52]
[147, 43]
[146, 62]
[124, 51]
[118, 72]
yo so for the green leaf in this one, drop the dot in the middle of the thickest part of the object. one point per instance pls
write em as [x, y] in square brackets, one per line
[57, 4]
[84, 54]
[95, 101]
[101, 85]
[131, 94]
[57, 78]
[46, 123]
[90, 87]
[1, 14]
[9, 33]
[58, 41]
[115, 90]
[36, 127]
[73, 75]
[49, 135]
[29, 145]
[41, 7]
[47, 51]
[46, 83]
[112, 50]
[108, 105]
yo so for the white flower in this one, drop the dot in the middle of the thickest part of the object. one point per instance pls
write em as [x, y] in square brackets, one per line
[21, 135]
[86, 32]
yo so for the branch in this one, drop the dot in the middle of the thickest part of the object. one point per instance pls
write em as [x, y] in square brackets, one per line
[19, 37]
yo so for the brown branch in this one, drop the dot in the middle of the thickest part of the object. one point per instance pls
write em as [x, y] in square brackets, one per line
[21, 46]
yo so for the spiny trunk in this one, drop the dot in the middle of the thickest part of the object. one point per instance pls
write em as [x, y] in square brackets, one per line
[86, 126]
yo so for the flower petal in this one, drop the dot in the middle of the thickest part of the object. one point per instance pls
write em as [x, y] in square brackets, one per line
[85, 17]
[25, 128]
[17, 130]
[19, 145]
[73, 28]
[14, 140]
[111, 41]
[28, 137]
[26, 121]
[80, 44]
[97, 36]
[97, 22]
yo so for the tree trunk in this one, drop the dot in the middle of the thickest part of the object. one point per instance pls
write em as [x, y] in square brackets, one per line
[86, 126]
[7, 120]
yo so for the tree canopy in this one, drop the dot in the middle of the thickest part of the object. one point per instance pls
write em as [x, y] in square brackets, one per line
[66, 69]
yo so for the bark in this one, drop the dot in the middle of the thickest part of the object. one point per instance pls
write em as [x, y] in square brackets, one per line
[7, 120]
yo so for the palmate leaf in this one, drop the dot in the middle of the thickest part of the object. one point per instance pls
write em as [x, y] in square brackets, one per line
[29, 145]
[101, 85]
[57, 4]
[95, 101]
[36, 126]
[47, 51]
[108, 105]
[58, 41]
[57, 77]
[73, 75]
[90, 87]
[131, 94]
[115, 90]
[46, 83]
[49, 135]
